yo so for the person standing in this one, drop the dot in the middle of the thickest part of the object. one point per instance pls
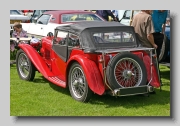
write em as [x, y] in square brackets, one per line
[115, 12]
[159, 21]
[144, 28]
[105, 13]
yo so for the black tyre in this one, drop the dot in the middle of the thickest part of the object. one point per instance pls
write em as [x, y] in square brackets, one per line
[25, 68]
[77, 83]
[164, 50]
[126, 70]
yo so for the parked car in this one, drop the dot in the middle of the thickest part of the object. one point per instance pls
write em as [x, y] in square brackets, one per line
[17, 16]
[36, 14]
[126, 16]
[91, 57]
[51, 19]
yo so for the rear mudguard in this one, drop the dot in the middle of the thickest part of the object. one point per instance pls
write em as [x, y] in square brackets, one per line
[92, 73]
[153, 77]
[37, 60]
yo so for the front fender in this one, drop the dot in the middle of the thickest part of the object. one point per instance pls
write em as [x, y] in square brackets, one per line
[92, 73]
[36, 59]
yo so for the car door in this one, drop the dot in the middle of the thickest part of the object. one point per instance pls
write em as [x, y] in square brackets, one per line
[38, 27]
[59, 54]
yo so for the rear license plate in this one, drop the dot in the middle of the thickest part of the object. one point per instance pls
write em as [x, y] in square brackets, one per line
[13, 21]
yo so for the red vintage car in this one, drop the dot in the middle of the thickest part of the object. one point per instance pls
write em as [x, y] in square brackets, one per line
[91, 57]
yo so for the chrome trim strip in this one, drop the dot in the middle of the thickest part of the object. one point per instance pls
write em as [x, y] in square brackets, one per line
[123, 50]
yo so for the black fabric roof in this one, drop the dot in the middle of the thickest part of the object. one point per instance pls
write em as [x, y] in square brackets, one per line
[86, 28]
[79, 27]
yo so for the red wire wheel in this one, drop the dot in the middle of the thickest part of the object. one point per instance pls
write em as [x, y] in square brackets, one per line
[126, 70]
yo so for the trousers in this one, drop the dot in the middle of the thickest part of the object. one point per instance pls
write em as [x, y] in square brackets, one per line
[158, 40]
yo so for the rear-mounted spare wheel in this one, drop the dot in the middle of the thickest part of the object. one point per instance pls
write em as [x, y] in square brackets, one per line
[126, 70]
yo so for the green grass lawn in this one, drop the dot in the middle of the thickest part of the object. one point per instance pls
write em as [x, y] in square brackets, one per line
[42, 98]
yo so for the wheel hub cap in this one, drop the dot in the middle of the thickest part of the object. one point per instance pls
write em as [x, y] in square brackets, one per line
[127, 74]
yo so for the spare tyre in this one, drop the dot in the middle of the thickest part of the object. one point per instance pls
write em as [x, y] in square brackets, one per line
[126, 70]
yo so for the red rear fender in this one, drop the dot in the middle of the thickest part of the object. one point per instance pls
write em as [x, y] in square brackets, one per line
[151, 75]
[36, 59]
[92, 73]
[154, 74]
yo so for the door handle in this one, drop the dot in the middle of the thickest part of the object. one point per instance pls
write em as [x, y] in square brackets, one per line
[41, 28]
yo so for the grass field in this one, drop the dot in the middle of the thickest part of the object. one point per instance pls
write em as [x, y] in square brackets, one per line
[42, 98]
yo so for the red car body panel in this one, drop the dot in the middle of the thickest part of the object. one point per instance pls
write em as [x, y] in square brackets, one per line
[147, 61]
[40, 64]
[155, 80]
[92, 73]
[36, 59]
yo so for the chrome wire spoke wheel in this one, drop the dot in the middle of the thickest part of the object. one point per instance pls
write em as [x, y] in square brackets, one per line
[25, 68]
[23, 65]
[128, 73]
[78, 82]
[78, 86]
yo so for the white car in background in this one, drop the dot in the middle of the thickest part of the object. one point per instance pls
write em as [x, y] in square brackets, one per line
[49, 20]
[125, 16]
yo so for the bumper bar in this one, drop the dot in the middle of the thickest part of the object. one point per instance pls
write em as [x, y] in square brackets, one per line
[131, 91]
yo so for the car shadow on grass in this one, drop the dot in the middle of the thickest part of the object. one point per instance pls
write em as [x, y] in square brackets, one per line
[40, 79]
[161, 98]
[60, 89]
[165, 74]
[137, 101]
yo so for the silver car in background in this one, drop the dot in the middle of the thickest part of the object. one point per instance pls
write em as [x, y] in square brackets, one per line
[17, 16]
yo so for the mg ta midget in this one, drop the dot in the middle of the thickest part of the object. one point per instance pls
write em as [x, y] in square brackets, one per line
[92, 57]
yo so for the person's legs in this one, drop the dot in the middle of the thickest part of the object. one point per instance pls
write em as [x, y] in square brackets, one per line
[158, 39]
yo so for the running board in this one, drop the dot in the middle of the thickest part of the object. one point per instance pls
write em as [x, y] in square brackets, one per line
[57, 81]
[131, 91]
